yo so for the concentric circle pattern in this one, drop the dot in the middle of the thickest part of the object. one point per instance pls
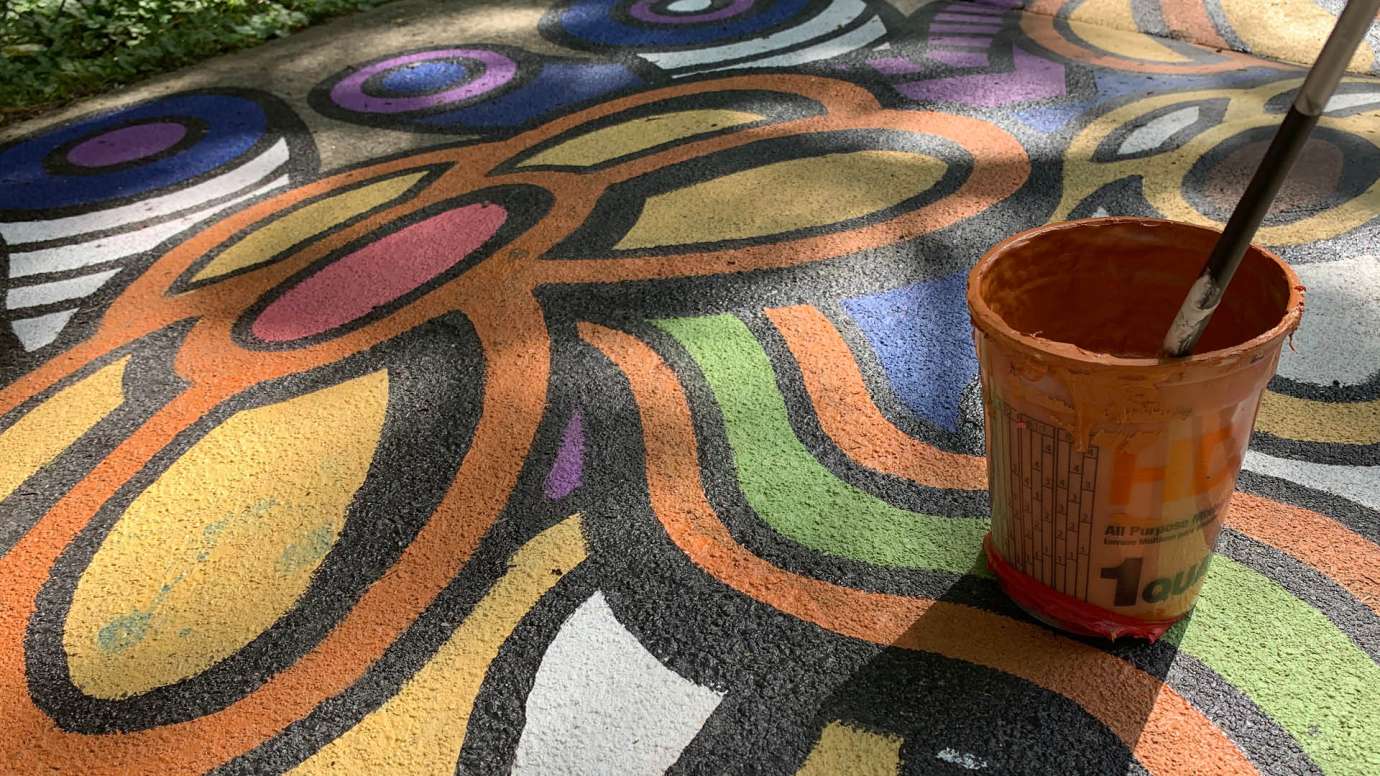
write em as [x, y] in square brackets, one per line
[604, 400]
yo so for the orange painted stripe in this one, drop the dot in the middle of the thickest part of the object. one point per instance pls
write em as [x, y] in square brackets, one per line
[849, 416]
[514, 396]
[1189, 20]
[1319, 541]
[1160, 727]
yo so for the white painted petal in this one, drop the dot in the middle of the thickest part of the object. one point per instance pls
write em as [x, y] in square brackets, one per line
[601, 704]
[1159, 129]
[34, 333]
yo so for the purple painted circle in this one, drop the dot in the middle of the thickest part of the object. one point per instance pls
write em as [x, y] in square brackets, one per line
[498, 70]
[643, 10]
[127, 144]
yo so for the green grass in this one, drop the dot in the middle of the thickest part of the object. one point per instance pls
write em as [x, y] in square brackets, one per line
[53, 51]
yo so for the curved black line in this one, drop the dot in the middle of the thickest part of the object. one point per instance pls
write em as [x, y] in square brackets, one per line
[525, 205]
[56, 161]
[526, 514]
[884, 396]
[500, 712]
[1269, 747]
[721, 488]
[391, 506]
[1348, 614]
[775, 107]
[149, 383]
[620, 207]
[1338, 393]
[184, 282]
[1336, 453]
[896, 491]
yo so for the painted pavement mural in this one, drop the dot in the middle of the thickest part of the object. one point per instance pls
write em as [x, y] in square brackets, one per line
[631, 424]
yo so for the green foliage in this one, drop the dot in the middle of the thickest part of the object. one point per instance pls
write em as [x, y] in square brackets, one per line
[54, 50]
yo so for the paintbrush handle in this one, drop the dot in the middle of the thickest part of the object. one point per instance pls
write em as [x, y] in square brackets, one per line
[1205, 294]
[1352, 25]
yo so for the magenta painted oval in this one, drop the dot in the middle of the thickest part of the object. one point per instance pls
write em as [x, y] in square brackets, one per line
[360, 282]
[127, 144]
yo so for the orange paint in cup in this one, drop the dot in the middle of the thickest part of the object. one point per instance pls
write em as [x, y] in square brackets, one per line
[1111, 468]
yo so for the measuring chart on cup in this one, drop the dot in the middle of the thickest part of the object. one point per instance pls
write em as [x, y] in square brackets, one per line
[1050, 487]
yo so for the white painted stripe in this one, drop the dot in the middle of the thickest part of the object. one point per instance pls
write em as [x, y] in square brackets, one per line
[34, 333]
[1339, 338]
[843, 44]
[981, 10]
[961, 759]
[947, 17]
[602, 704]
[1358, 483]
[118, 246]
[246, 174]
[837, 15]
[1344, 101]
[1158, 130]
[57, 290]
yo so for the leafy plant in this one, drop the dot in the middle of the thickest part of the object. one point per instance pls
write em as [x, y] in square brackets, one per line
[52, 51]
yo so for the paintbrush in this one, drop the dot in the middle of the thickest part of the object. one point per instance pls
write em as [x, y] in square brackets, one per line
[1207, 291]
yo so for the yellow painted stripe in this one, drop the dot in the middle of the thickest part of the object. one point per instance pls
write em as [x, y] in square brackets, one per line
[1292, 31]
[845, 749]
[1354, 423]
[224, 542]
[802, 193]
[636, 135]
[277, 236]
[41, 435]
[1109, 25]
[420, 730]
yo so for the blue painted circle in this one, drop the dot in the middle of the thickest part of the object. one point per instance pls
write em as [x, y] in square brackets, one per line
[418, 78]
[233, 126]
[599, 23]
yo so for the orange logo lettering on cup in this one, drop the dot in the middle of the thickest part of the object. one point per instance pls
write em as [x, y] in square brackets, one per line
[1219, 447]
[1126, 475]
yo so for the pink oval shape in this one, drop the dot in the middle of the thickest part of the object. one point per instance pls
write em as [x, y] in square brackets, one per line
[127, 144]
[358, 283]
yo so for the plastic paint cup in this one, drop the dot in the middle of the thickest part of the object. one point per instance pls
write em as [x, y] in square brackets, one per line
[1111, 468]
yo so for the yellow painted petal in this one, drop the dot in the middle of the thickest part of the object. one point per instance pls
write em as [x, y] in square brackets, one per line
[224, 542]
[40, 436]
[280, 234]
[636, 135]
[784, 196]
[1109, 25]
[846, 749]
[421, 729]
[1354, 423]
[1292, 31]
